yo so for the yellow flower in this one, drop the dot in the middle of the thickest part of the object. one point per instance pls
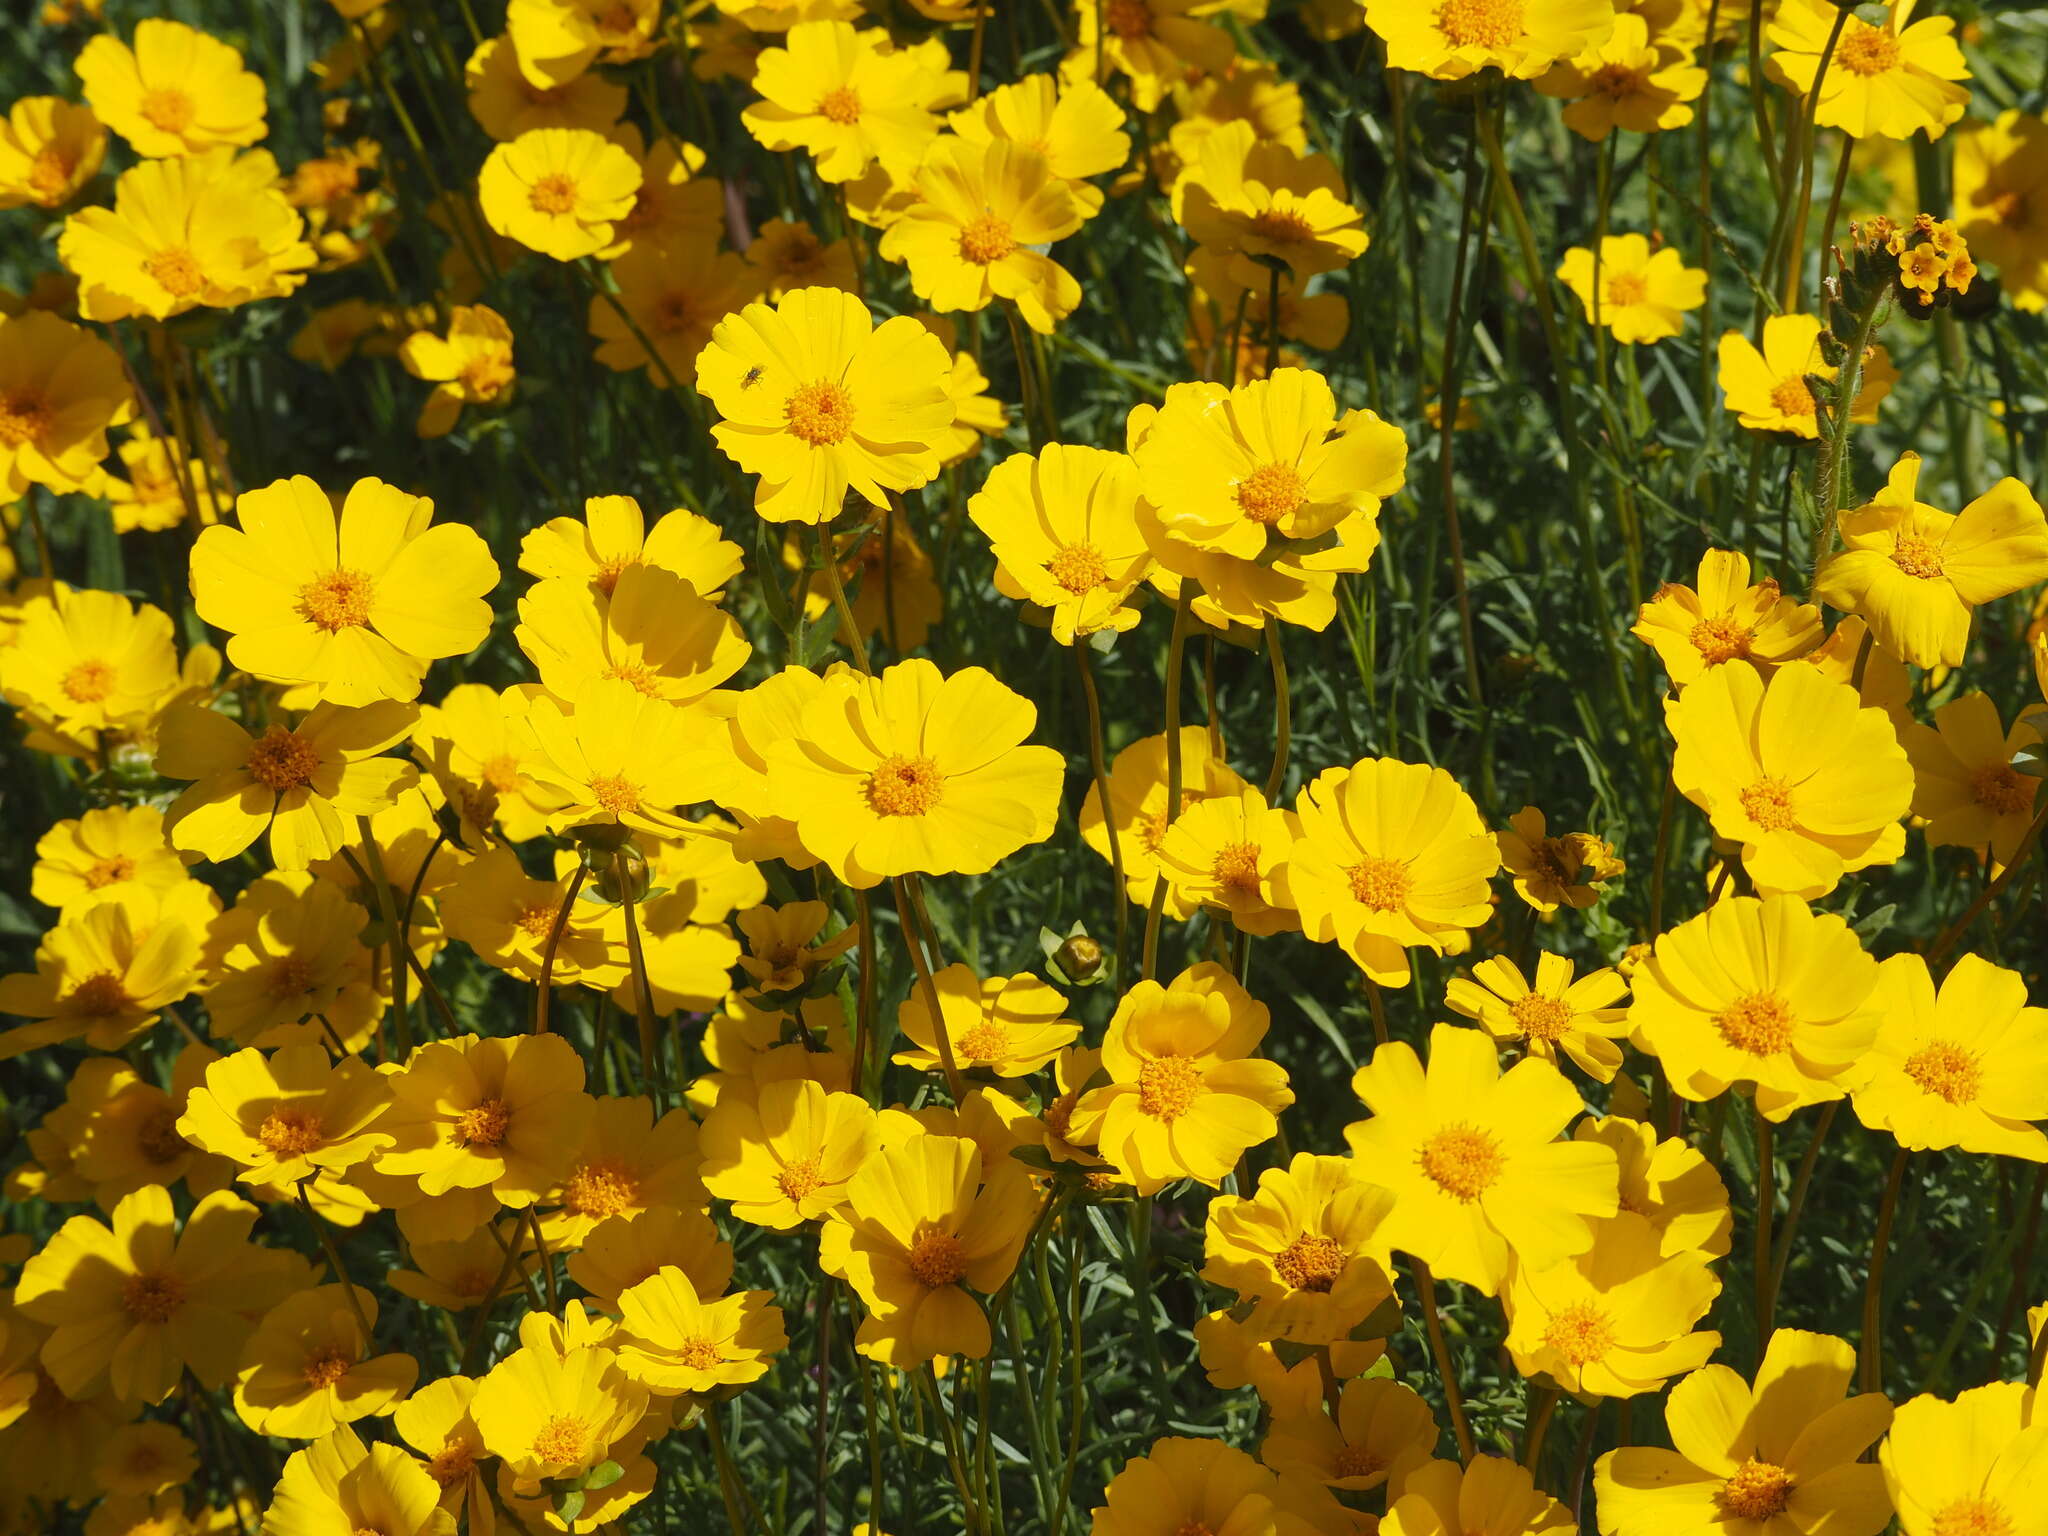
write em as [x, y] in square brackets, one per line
[890, 584]
[1157, 43]
[1796, 770]
[1185, 1094]
[847, 97]
[1490, 1496]
[85, 661]
[787, 256]
[49, 149]
[477, 746]
[1632, 81]
[294, 782]
[1080, 129]
[1768, 389]
[558, 191]
[1889, 80]
[505, 1113]
[2000, 191]
[1974, 1464]
[621, 1251]
[817, 403]
[786, 950]
[781, 15]
[916, 772]
[1727, 618]
[290, 950]
[144, 1459]
[506, 916]
[1381, 1430]
[1964, 784]
[103, 976]
[1391, 856]
[457, 1274]
[620, 758]
[1617, 1320]
[671, 1341]
[1555, 1015]
[1255, 470]
[1640, 296]
[175, 92]
[308, 1368]
[1234, 1356]
[1256, 202]
[1137, 804]
[550, 1414]
[1669, 1183]
[1779, 1453]
[557, 40]
[1471, 1154]
[60, 389]
[1521, 38]
[627, 1164]
[1915, 573]
[1307, 1250]
[435, 1421]
[339, 1484]
[983, 208]
[921, 1228]
[1964, 1067]
[1766, 992]
[471, 365]
[783, 1154]
[154, 496]
[614, 535]
[1182, 1485]
[506, 104]
[1228, 854]
[1010, 1026]
[1566, 870]
[290, 1117]
[650, 632]
[676, 297]
[136, 1305]
[1062, 525]
[207, 229]
[674, 208]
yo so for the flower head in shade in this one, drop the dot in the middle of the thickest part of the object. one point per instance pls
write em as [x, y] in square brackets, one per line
[49, 149]
[61, 387]
[1381, 1430]
[310, 1366]
[2001, 187]
[1185, 1484]
[1965, 786]
[1491, 1496]
[1552, 870]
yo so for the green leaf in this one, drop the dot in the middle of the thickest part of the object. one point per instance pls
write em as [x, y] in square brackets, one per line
[603, 1475]
[569, 1505]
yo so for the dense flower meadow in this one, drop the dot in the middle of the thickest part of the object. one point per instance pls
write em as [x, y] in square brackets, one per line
[1118, 767]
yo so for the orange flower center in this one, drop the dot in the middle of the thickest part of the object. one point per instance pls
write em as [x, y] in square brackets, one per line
[561, 1441]
[453, 1463]
[152, 1298]
[1760, 1024]
[1357, 1461]
[279, 761]
[936, 1259]
[674, 314]
[175, 270]
[1757, 1491]
[905, 786]
[601, 1189]
[821, 413]
[987, 1041]
[986, 239]
[502, 773]
[1129, 19]
[1079, 568]
[23, 419]
[1617, 81]
[553, 194]
[1917, 555]
[1541, 1018]
[291, 976]
[1947, 1071]
[89, 682]
[1312, 1262]
[109, 871]
[326, 1366]
[840, 105]
[1582, 1333]
[485, 375]
[483, 1125]
[157, 1138]
[1380, 884]
[1237, 868]
[1270, 492]
[49, 174]
[289, 1132]
[337, 600]
[2011, 210]
[1282, 226]
[698, 1354]
[1480, 23]
[615, 794]
[1972, 1517]
[1720, 640]
[2002, 790]
[1768, 803]
[1462, 1161]
[639, 677]
[101, 995]
[1168, 1086]
[1867, 50]
[1791, 397]
[536, 922]
[168, 109]
[799, 1179]
[1626, 288]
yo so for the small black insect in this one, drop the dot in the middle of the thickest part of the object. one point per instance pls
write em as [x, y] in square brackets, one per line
[753, 377]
